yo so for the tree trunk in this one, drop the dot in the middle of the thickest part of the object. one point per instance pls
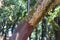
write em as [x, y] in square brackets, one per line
[22, 32]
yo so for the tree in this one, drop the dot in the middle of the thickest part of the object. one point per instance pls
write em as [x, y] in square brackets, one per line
[34, 20]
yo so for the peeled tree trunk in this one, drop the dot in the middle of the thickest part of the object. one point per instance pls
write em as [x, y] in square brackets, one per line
[25, 29]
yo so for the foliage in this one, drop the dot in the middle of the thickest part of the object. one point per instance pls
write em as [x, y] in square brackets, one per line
[12, 12]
